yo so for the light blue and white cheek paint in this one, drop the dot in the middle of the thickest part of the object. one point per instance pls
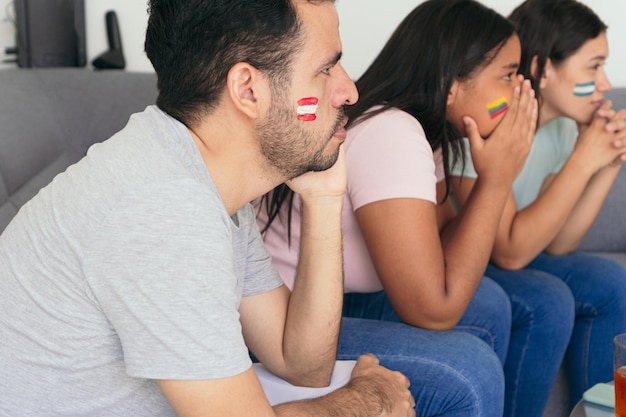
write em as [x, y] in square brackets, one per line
[584, 89]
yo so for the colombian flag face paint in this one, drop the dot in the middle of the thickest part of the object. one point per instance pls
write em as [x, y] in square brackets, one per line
[584, 89]
[498, 107]
[307, 107]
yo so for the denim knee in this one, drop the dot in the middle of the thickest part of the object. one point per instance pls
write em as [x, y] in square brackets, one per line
[489, 317]
[451, 373]
[543, 319]
[538, 296]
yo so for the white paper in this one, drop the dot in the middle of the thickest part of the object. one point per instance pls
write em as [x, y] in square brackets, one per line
[280, 391]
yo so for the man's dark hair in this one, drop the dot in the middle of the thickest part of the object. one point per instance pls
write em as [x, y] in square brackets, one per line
[193, 44]
[552, 29]
[439, 42]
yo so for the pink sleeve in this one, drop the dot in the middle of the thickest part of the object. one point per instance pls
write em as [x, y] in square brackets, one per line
[388, 156]
[440, 172]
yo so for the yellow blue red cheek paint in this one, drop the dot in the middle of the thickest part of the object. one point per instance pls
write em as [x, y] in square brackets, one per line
[307, 109]
[584, 89]
[497, 107]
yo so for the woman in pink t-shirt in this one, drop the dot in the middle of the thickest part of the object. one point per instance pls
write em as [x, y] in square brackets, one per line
[448, 71]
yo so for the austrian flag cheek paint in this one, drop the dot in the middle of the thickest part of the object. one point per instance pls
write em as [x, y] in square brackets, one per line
[498, 107]
[584, 89]
[307, 107]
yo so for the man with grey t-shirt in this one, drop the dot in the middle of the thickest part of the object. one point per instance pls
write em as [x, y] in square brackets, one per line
[136, 283]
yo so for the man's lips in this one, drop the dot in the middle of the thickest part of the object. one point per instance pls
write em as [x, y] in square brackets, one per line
[341, 132]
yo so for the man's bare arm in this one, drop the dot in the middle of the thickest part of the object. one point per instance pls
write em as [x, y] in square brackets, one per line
[295, 335]
[373, 391]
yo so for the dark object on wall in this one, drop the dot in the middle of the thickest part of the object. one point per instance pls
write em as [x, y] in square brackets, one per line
[50, 33]
[114, 57]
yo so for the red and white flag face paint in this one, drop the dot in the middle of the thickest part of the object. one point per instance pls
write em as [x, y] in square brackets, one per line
[307, 107]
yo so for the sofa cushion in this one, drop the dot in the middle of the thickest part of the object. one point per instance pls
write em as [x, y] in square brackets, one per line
[608, 233]
[7, 209]
[618, 97]
[50, 116]
[91, 106]
[617, 256]
[30, 138]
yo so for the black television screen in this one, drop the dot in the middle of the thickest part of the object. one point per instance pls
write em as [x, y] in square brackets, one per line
[50, 33]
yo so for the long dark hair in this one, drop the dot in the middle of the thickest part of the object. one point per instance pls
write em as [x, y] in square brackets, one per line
[552, 29]
[439, 42]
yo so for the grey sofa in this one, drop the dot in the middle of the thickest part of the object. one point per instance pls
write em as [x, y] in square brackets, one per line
[49, 117]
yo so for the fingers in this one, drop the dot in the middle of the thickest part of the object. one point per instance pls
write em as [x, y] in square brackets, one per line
[512, 113]
[601, 148]
[395, 398]
[620, 143]
[528, 103]
[410, 398]
[406, 402]
[522, 114]
[367, 359]
[605, 110]
[619, 160]
[502, 156]
[411, 411]
[472, 133]
[617, 121]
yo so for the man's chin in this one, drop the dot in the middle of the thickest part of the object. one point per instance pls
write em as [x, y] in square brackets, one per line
[322, 164]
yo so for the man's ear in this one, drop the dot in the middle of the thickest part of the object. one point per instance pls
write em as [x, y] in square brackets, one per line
[547, 69]
[248, 89]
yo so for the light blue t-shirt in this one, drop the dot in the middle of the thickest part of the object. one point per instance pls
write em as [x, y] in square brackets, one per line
[552, 146]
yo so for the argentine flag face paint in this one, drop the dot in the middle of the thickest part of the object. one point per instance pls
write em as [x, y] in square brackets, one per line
[307, 107]
[584, 89]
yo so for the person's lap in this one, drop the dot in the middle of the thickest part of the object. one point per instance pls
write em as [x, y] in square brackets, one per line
[598, 285]
[452, 373]
[488, 316]
[545, 297]
[543, 318]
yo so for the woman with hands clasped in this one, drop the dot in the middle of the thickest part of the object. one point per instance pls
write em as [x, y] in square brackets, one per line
[411, 265]
[577, 153]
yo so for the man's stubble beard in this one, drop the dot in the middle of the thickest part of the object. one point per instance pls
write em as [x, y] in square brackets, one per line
[293, 161]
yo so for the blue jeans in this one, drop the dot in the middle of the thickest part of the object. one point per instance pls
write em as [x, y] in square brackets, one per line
[452, 373]
[543, 318]
[598, 285]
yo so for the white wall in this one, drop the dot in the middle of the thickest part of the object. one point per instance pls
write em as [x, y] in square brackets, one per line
[132, 16]
[365, 26]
